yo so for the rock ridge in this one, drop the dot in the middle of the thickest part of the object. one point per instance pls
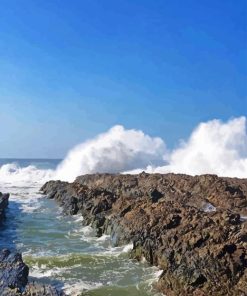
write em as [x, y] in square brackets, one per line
[193, 228]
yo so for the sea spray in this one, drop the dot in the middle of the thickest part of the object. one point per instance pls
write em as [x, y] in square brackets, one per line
[214, 147]
[114, 151]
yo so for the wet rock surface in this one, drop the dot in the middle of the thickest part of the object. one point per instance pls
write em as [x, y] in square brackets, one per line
[4, 200]
[193, 228]
[13, 273]
[35, 289]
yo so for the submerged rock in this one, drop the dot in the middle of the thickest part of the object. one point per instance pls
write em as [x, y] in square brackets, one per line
[191, 227]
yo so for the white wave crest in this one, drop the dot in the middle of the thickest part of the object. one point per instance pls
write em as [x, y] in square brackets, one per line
[114, 151]
[214, 147]
[12, 173]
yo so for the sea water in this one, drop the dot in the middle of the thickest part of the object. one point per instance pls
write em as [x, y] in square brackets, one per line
[58, 249]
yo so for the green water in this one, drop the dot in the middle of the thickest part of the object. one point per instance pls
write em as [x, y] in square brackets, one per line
[62, 252]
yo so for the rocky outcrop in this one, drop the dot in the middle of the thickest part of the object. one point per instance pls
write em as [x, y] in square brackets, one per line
[193, 228]
[4, 199]
[14, 278]
[13, 273]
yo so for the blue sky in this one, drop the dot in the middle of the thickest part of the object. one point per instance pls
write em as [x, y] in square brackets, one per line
[72, 69]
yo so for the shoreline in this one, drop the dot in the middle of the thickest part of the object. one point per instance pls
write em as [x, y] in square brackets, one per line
[192, 228]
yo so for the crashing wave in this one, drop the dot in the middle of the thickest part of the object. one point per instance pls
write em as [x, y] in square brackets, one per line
[214, 147]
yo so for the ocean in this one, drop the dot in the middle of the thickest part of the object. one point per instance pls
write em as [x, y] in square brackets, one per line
[58, 249]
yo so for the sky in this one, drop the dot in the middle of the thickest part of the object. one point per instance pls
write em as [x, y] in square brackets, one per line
[70, 70]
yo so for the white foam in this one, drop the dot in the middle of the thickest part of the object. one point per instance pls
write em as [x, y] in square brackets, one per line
[114, 151]
[87, 230]
[214, 147]
[27, 208]
[13, 174]
[77, 288]
[43, 271]
[103, 237]
[127, 248]
[117, 251]
[78, 218]
[38, 272]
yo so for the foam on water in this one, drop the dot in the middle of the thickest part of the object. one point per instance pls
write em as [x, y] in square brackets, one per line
[95, 271]
[12, 174]
[76, 288]
[60, 250]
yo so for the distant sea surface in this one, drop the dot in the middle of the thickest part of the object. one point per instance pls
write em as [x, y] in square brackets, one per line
[58, 249]
[40, 163]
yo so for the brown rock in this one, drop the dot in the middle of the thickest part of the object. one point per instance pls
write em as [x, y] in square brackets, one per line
[191, 227]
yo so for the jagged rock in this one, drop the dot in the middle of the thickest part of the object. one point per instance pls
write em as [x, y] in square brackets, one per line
[4, 199]
[13, 273]
[202, 250]
[14, 278]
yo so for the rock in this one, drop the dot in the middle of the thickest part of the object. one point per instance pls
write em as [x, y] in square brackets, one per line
[201, 251]
[14, 278]
[35, 289]
[4, 200]
[13, 273]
